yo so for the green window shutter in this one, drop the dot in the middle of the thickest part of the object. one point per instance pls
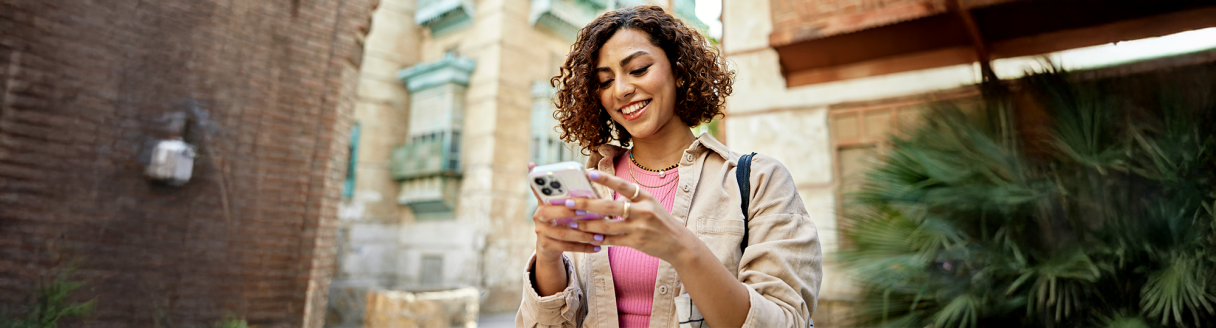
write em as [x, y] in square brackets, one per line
[348, 188]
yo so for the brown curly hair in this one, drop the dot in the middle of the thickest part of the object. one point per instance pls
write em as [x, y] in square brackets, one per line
[700, 96]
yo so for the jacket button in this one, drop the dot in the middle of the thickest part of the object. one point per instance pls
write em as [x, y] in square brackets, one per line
[663, 290]
[686, 187]
[688, 157]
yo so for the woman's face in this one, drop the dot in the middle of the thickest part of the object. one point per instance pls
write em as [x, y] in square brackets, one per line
[636, 84]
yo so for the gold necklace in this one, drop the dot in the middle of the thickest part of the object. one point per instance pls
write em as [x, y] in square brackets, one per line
[635, 180]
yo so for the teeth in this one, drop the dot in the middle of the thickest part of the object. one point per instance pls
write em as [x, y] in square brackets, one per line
[635, 107]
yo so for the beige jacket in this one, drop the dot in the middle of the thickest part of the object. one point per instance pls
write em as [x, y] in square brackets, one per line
[782, 267]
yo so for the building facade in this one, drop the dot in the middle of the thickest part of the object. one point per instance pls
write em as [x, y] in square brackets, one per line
[823, 84]
[454, 100]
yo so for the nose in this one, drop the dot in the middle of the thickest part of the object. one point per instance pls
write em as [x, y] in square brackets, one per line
[623, 88]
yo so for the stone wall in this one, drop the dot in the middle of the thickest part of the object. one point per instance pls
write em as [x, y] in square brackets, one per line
[264, 89]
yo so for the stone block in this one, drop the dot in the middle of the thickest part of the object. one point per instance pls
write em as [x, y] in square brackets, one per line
[383, 68]
[797, 138]
[376, 143]
[382, 92]
[747, 25]
[370, 260]
[444, 308]
[438, 235]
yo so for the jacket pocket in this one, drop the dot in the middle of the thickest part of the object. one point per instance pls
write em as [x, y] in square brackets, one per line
[687, 313]
[720, 226]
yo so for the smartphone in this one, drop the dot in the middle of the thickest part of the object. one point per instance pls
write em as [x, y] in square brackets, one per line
[560, 181]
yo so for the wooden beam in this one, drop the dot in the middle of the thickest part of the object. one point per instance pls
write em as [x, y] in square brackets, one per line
[894, 64]
[977, 40]
[1132, 29]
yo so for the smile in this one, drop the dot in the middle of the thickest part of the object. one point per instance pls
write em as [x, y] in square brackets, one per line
[635, 110]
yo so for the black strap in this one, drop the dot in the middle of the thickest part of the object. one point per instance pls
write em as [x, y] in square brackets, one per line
[743, 173]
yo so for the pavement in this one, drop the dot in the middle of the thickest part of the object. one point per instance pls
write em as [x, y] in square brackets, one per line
[501, 320]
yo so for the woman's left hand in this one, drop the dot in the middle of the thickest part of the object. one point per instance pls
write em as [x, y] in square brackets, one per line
[647, 227]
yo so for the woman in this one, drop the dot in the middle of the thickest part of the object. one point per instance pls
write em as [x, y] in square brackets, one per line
[640, 77]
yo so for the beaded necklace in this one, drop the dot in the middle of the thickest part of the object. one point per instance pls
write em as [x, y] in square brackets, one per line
[662, 172]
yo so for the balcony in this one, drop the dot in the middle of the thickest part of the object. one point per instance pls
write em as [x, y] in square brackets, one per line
[443, 16]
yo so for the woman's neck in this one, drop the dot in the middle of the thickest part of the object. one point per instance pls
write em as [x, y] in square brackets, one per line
[664, 148]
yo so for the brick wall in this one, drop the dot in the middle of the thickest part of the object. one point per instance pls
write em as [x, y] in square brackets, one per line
[265, 90]
[800, 19]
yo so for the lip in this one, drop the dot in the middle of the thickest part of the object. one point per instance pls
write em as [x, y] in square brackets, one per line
[637, 114]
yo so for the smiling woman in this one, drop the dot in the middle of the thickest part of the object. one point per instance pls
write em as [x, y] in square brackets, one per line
[639, 78]
[701, 80]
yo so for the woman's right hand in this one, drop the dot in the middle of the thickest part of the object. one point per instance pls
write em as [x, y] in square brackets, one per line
[556, 229]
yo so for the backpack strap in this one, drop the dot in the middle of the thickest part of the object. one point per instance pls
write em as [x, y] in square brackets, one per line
[743, 173]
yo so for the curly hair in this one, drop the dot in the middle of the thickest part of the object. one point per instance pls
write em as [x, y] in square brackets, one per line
[700, 96]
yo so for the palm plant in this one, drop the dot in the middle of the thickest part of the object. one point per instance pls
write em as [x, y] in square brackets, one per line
[956, 227]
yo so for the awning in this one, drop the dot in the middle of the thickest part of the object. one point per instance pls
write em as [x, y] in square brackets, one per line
[936, 33]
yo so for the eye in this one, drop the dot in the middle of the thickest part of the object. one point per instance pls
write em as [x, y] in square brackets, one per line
[640, 70]
[605, 84]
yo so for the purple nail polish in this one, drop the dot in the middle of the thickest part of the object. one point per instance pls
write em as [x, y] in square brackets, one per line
[570, 203]
[573, 225]
[596, 249]
[594, 174]
[599, 237]
[580, 212]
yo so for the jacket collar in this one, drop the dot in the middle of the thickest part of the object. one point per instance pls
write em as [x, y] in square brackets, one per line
[601, 159]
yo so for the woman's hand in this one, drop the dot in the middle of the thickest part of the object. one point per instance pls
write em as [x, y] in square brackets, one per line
[554, 235]
[555, 231]
[647, 227]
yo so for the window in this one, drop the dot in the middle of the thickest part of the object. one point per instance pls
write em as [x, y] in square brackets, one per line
[348, 188]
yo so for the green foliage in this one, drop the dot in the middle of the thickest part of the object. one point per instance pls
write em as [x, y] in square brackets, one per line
[956, 228]
[51, 305]
[231, 321]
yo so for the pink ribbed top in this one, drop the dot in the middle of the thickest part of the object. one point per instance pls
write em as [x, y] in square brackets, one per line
[634, 272]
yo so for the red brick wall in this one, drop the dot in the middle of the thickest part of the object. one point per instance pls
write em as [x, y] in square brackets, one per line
[801, 19]
[87, 86]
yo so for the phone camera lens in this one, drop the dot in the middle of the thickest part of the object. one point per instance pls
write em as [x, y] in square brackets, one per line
[539, 181]
[555, 185]
[546, 191]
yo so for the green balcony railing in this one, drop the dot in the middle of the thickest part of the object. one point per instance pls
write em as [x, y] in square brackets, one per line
[432, 154]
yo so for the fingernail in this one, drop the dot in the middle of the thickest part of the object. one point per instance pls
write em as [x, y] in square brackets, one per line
[570, 203]
[599, 237]
[557, 201]
[594, 174]
[596, 249]
[573, 225]
[580, 212]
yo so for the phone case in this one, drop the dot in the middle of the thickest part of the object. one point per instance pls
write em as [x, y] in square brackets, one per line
[560, 181]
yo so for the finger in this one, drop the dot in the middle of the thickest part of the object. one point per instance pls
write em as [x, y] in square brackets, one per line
[613, 207]
[552, 215]
[566, 246]
[606, 227]
[622, 187]
[618, 240]
[569, 233]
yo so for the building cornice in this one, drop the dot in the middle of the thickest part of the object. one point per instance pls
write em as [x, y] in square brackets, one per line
[450, 69]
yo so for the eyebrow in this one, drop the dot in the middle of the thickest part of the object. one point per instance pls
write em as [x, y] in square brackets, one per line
[623, 61]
